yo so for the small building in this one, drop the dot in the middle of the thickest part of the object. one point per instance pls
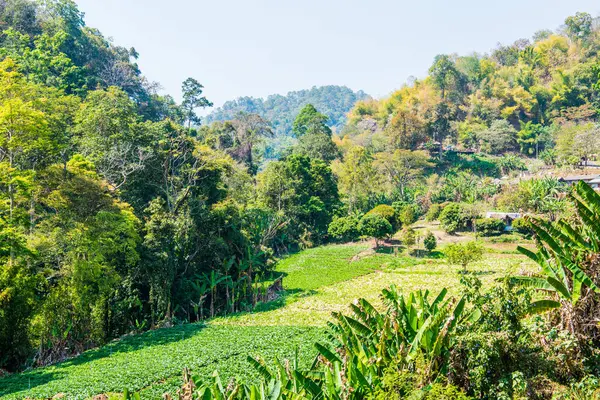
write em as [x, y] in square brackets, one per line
[571, 180]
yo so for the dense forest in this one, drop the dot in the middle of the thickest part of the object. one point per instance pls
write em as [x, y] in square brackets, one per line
[121, 211]
[333, 101]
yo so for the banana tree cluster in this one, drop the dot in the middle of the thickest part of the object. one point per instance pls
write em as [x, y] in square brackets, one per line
[569, 257]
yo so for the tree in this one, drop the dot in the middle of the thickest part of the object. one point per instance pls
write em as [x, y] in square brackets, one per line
[344, 229]
[402, 166]
[192, 100]
[310, 121]
[357, 177]
[499, 138]
[110, 134]
[250, 130]
[375, 226]
[310, 127]
[317, 145]
[389, 213]
[533, 138]
[587, 143]
[579, 26]
[430, 242]
[302, 190]
[463, 254]
[409, 236]
[451, 218]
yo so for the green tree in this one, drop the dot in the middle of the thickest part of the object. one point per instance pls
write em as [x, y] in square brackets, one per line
[344, 229]
[451, 218]
[303, 190]
[402, 167]
[357, 177]
[192, 100]
[430, 242]
[110, 134]
[579, 26]
[375, 226]
[310, 127]
[463, 254]
[310, 121]
[499, 138]
[533, 138]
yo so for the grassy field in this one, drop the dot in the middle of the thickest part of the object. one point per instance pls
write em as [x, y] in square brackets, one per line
[318, 281]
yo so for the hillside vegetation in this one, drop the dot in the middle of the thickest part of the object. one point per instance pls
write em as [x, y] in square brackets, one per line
[126, 222]
[281, 110]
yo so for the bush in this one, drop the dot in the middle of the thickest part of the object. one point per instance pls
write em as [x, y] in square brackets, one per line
[430, 242]
[389, 213]
[409, 236]
[344, 229]
[464, 254]
[521, 225]
[375, 226]
[409, 215]
[451, 218]
[489, 226]
[434, 212]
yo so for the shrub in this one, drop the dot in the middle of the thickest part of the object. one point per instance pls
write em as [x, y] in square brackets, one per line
[490, 226]
[387, 212]
[344, 229]
[521, 225]
[409, 236]
[434, 212]
[430, 242]
[451, 218]
[375, 226]
[409, 215]
[464, 254]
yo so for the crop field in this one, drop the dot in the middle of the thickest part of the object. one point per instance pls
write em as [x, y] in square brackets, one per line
[318, 281]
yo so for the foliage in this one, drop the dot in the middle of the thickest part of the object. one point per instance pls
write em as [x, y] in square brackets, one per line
[568, 258]
[201, 348]
[489, 226]
[464, 254]
[387, 212]
[430, 242]
[409, 236]
[522, 226]
[302, 190]
[425, 337]
[434, 212]
[344, 229]
[375, 226]
[451, 218]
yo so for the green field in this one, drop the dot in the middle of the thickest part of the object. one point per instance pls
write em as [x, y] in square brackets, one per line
[319, 281]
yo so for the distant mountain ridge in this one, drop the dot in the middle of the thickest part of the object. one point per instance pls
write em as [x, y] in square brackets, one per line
[332, 100]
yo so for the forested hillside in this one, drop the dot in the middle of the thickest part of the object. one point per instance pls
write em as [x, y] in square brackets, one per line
[333, 101]
[280, 111]
[122, 212]
[538, 97]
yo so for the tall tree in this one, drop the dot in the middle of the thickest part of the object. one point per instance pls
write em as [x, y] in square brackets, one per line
[402, 166]
[192, 100]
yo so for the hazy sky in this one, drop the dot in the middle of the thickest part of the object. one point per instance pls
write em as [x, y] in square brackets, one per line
[260, 47]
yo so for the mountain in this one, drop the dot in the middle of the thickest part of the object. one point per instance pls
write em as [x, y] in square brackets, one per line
[333, 101]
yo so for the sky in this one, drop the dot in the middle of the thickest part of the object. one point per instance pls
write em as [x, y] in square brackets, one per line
[261, 47]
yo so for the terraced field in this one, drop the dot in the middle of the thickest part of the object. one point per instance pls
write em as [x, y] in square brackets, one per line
[318, 281]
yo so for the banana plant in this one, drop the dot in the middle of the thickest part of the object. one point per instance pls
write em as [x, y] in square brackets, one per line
[407, 329]
[565, 250]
